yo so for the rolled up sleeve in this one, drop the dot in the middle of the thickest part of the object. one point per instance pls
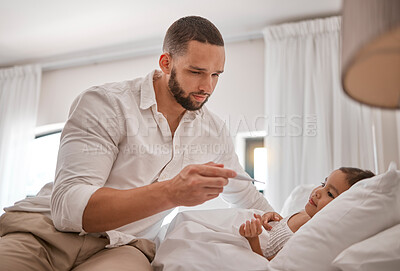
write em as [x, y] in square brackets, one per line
[88, 149]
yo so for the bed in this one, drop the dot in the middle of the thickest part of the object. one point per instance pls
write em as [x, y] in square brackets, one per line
[360, 230]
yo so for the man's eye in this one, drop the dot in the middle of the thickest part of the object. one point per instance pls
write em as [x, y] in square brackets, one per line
[331, 195]
[216, 74]
[323, 184]
[194, 72]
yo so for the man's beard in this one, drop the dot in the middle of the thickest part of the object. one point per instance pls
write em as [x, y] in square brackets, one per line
[179, 94]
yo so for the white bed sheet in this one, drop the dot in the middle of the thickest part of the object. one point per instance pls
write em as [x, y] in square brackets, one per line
[209, 240]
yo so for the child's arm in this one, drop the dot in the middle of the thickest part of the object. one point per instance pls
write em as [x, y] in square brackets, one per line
[255, 245]
[251, 230]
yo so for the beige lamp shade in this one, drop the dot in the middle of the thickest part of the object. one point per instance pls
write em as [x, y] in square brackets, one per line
[371, 51]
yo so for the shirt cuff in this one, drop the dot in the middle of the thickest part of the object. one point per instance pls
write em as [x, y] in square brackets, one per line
[68, 204]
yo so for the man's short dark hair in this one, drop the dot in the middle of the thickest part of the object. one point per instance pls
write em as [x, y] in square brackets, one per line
[190, 28]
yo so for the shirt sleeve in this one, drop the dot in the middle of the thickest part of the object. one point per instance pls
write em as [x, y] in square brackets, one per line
[241, 194]
[88, 149]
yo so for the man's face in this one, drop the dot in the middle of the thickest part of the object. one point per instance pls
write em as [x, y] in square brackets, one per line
[194, 75]
[186, 100]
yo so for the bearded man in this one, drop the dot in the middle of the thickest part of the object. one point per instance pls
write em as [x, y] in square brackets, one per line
[130, 153]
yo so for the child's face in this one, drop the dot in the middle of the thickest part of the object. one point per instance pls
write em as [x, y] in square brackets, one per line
[334, 185]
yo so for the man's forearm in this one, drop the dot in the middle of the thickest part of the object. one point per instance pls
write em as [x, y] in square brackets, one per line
[110, 208]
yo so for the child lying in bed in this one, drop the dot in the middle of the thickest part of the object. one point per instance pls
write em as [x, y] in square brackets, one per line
[336, 183]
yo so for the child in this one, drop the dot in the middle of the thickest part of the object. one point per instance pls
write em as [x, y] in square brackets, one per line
[336, 183]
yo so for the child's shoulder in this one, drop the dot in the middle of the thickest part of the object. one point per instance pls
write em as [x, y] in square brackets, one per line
[297, 220]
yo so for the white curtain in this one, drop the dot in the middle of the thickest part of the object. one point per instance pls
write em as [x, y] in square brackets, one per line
[19, 98]
[313, 127]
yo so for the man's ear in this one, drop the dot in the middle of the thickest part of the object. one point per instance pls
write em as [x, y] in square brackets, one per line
[165, 63]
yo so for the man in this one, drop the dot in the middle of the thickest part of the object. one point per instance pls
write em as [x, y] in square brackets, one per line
[130, 152]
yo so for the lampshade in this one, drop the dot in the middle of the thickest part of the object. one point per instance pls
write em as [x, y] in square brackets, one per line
[371, 51]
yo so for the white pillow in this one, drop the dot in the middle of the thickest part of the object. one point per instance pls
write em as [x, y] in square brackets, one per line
[297, 199]
[380, 252]
[368, 207]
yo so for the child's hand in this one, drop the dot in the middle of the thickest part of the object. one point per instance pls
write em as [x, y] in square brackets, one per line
[267, 217]
[251, 229]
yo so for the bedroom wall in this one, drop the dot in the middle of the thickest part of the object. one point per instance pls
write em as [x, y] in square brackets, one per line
[238, 97]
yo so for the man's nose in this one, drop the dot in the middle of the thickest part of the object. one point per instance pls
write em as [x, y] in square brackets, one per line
[206, 85]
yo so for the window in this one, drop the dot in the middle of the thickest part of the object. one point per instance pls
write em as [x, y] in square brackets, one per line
[253, 156]
[43, 157]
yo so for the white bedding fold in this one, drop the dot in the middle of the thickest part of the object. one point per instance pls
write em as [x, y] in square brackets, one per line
[209, 240]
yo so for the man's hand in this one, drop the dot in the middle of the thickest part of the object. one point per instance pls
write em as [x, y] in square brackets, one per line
[196, 184]
[251, 229]
[267, 217]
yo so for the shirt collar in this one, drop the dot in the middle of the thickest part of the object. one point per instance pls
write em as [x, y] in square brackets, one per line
[147, 94]
[191, 115]
[148, 97]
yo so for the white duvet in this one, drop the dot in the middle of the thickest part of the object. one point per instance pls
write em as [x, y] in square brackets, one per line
[209, 240]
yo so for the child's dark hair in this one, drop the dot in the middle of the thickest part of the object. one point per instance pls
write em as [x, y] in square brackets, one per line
[354, 175]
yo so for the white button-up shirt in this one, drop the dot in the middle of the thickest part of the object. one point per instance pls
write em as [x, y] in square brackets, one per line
[115, 137]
